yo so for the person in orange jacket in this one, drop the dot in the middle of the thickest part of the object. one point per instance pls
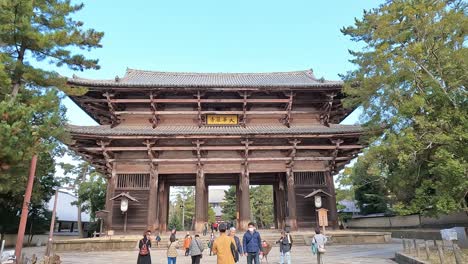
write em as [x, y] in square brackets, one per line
[187, 241]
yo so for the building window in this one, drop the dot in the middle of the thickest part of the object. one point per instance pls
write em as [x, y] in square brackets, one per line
[315, 178]
[133, 181]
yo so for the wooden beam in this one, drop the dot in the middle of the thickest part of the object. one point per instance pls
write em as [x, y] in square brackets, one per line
[216, 112]
[188, 101]
[217, 136]
[240, 159]
[223, 148]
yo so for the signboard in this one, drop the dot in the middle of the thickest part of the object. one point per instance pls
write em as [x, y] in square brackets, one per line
[222, 120]
[449, 234]
[323, 217]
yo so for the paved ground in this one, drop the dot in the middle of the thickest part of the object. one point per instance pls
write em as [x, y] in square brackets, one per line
[339, 254]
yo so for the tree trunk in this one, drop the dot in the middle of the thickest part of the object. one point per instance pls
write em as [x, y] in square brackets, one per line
[18, 74]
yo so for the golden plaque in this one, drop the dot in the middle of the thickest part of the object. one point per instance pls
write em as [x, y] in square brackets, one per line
[222, 120]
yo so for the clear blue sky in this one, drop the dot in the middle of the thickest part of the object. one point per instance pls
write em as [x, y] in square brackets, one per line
[219, 36]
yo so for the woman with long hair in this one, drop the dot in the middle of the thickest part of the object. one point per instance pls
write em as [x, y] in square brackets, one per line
[144, 247]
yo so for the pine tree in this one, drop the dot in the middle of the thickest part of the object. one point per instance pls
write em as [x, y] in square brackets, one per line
[411, 81]
[43, 30]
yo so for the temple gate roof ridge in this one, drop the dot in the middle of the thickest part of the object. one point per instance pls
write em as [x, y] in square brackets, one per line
[146, 78]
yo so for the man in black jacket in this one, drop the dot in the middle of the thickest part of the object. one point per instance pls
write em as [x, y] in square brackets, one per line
[285, 244]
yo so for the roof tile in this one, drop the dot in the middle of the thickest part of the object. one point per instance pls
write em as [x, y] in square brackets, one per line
[139, 78]
[162, 130]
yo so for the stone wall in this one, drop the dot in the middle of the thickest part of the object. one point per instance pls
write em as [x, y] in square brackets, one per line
[409, 221]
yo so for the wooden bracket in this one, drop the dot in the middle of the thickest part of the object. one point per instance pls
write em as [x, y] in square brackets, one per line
[326, 110]
[199, 109]
[243, 119]
[114, 118]
[286, 120]
[334, 154]
[107, 155]
[245, 163]
[293, 151]
[199, 153]
[152, 155]
[154, 110]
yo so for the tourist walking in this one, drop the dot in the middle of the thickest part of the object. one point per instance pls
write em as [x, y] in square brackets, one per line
[318, 245]
[144, 246]
[196, 249]
[205, 229]
[240, 250]
[173, 234]
[285, 245]
[252, 244]
[224, 247]
[172, 250]
[187, 241]
[212, 239]
[158, 240]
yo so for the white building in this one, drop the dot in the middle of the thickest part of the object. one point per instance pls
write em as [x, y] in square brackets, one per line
[67, 213]
[215, 198]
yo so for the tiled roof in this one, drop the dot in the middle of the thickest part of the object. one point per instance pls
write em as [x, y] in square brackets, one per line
[164, 130]
[149, 79]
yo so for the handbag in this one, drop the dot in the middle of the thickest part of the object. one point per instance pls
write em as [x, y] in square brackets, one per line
[316, 248]
[234, 253]
[201, 250]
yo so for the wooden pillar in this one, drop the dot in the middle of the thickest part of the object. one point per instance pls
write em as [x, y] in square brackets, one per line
[332, 210]
[244, 203]
[292, 217]
[238, 199]
[200, 200]
[163, 204]
[111, 184]
[206, 204]
[275, 205]
[153, 221]
[281, 202]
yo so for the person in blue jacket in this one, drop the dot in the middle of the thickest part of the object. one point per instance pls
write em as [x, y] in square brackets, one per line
[252, 243]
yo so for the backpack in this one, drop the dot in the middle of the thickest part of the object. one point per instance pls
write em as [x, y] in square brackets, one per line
[144, 249]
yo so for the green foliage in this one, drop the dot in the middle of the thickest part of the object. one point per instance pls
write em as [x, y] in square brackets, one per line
[43, 30]
[11, 199]
[211, 215]
[368, 181]
[92, 193]
[228, 206]
[31, 118]
[261, 205]
[38, 221]
[183, 204]
[175, 222]
[411, 83]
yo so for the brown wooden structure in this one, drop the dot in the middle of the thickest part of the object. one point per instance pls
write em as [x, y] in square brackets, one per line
[160, 129]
